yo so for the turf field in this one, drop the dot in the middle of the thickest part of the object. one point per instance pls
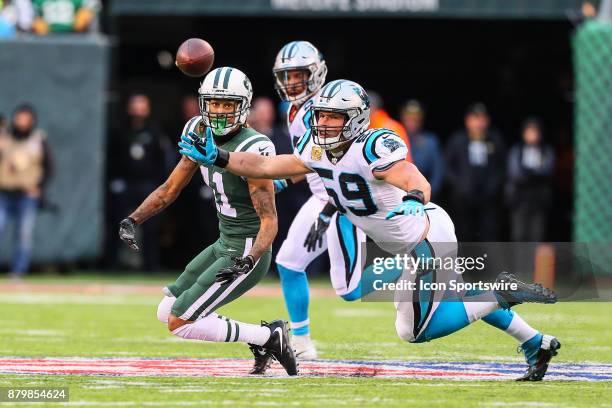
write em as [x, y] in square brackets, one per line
[116, 321]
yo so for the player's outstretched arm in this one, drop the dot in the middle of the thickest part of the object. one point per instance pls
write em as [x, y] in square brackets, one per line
[246, 164]
[159, 199]
[253, 165]
[406, 176]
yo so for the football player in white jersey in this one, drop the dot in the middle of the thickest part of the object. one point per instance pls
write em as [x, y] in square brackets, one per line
[299, 71]
[388, 198]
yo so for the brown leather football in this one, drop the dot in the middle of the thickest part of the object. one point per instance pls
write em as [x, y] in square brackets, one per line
[195, 57]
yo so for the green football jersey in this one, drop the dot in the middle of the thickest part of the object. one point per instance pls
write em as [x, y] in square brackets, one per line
[60, 14]
[237, 216]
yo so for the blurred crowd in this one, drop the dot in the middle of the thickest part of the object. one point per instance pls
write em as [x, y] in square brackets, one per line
[493, 192]
[44, 17]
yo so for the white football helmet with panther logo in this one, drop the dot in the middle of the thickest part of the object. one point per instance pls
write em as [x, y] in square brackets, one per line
[225, 83]
[345, 97]
[299, 55]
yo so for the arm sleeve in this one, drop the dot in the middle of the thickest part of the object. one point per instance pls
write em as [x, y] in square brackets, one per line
[383, 150]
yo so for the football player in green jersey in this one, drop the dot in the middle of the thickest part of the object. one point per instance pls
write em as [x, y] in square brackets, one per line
[64, 16]
[247, 225]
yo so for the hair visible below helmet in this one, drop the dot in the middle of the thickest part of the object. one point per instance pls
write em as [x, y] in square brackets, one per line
[299, 55]
[347, 98]
[225, 83]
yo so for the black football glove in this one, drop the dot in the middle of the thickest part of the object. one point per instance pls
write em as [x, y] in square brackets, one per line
[315, 235]
[241, 266]
[127, 232]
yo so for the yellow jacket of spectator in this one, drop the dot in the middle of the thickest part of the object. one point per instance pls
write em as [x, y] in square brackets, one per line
[21, 161]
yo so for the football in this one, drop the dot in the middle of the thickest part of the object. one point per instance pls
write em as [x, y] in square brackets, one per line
[195, 57]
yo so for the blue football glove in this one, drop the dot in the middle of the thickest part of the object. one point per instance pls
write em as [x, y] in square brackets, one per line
[280, 185]
[412, 204]
[202, 151]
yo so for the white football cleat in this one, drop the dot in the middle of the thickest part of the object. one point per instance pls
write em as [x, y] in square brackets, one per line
[304, 347]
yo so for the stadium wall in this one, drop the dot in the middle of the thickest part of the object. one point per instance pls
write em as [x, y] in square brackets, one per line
[65, 79]
[593, 142]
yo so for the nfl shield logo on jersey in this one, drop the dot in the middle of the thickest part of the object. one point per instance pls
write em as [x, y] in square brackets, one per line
[316, 153]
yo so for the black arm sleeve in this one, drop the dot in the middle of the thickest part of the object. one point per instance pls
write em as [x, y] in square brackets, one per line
[329, 209]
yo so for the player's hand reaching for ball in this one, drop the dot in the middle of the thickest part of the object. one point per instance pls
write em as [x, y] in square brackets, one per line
[127, 232]
[241, 266]
[201, 150]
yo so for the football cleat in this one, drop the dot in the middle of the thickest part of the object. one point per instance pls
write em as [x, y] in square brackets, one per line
[279, 346]
[538, 353]
[304, 347]
[263, 360]
[524, 293]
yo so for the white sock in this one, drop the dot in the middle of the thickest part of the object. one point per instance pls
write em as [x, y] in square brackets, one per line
[221, 329]
[520, 330]
[478, 310]
[164, 308]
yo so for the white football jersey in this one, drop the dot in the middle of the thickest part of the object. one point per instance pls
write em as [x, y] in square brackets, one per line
[297, 126]
[357, 193]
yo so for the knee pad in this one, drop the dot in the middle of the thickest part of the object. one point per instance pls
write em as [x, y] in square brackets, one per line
[164, 308]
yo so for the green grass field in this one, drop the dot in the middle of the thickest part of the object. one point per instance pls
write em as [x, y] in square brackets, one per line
[124, 325]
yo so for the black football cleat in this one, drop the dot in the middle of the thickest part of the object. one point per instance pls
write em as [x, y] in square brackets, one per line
[279, 346]
[524, 292]
[538, 357]
[263, 360]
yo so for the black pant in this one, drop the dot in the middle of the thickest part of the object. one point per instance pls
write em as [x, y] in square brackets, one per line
[528, 225]
[476, 222]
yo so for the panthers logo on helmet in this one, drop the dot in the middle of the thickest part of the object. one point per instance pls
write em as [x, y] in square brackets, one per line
[363, 95]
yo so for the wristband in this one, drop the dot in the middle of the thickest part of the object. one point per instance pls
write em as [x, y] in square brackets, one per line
[329, 209]
[222, 158]
[416, 195]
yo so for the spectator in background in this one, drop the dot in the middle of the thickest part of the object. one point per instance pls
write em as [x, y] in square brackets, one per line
[15, 15]
[25, 167]
[475, 160]
[3, 126]
[529, 190]
[137, 165]
[379, 118]
[65, 16]
[426, 154]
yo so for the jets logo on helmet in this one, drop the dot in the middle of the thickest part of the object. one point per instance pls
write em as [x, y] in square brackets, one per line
[225, 84]
[299, 71]
[348, 99]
